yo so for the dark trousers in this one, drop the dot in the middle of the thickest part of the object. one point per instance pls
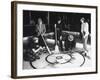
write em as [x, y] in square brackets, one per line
[41, 42]
[59, 34]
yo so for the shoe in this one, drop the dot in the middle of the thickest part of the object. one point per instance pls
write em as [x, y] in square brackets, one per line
[85, 54]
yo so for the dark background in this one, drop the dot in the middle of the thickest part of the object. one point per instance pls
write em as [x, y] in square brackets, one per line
[72, 20]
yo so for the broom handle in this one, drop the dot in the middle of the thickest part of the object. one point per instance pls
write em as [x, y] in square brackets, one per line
[55, 35]
[46, 44]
